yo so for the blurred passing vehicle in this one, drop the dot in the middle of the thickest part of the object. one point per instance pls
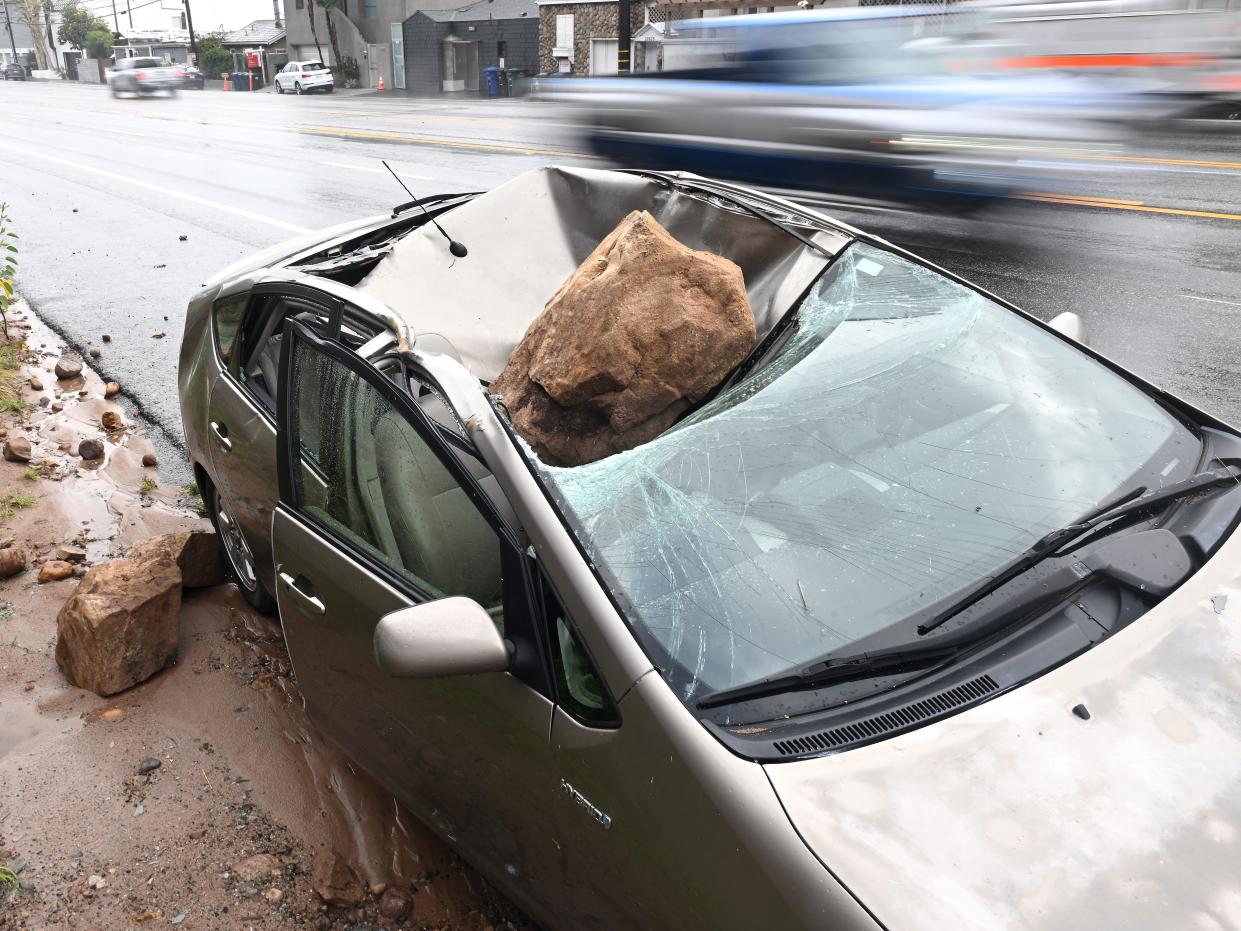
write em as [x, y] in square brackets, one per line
[928, 618]
[144, 76]
[13, 72]
[302, 77]
[876, 103]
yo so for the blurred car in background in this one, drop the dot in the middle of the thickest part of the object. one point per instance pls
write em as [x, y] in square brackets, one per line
[908, 105]
[194, 79]
[302, 77]
[13, 72]
[144, 76]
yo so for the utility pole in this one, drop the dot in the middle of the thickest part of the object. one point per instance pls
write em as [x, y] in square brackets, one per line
[275, 6]
[9, 23]
[622, 37]
[189, 20]
[116, 20]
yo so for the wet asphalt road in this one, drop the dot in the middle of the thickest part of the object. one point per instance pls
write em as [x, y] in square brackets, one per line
[101, 190]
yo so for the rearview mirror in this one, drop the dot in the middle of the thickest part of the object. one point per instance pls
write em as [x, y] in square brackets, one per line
[1070, 325]
[449, 637]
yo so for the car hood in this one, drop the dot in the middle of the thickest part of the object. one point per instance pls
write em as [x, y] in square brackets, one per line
[1018, 813]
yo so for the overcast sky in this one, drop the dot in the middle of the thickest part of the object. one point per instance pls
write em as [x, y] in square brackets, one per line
[209, 15]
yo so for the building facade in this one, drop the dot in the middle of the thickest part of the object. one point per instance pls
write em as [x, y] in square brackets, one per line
[446, 51]
[581, 37]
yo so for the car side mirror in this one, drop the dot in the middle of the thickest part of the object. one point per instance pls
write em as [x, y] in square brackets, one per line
[449, 637]
[1070, 325]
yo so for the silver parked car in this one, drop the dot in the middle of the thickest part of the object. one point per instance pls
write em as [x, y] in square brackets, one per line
[929, 617]
[145, 76]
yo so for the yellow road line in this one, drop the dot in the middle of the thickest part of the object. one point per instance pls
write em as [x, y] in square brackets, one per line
[1152, 160]
[414, 140]
[1139, 207]
[1082, 198]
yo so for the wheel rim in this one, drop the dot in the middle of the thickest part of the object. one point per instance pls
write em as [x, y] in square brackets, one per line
[236, 548]
[298, 87]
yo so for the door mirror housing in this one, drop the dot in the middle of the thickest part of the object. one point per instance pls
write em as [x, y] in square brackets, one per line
[449, 637]
[1070, 325]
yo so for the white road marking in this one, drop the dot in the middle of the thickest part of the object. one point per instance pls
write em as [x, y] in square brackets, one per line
[128, 132]
[1212, 300]
[379, 171]
[167, 192]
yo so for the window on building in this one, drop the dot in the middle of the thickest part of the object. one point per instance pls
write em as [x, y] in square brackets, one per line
[501, 50]
[370, 8]
[564, 30]
[299, 4]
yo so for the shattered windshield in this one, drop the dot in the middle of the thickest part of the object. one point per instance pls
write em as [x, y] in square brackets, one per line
[906, 438]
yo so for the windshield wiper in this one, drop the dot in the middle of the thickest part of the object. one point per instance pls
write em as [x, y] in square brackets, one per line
[832, 670]
[1133, 503]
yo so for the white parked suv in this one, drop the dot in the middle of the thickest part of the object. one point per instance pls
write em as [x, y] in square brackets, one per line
[302, 77]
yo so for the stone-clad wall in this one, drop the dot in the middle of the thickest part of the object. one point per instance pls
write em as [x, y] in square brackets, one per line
[590, 21]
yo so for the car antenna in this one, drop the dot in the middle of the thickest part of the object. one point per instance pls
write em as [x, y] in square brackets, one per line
[456, 248]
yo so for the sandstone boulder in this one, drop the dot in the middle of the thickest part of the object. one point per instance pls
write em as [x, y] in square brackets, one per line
[90, 450]
[645, 327]
[335, 880]
[12, 561]
[196, 553]
[54, 570]
[17, 449]
[68, 367]
[121, 625]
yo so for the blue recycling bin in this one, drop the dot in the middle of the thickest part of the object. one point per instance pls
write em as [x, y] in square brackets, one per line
[492, 78]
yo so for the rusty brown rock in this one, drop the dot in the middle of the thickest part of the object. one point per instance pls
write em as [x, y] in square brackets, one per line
[54, 570]
[121, 625]
[335, 880]
[68, 553]
[112, 420]
[94, 352]
[149, 460]
[393, 905]
[106, 338]
[196, 553]
[17, 449]
[36, 384]
[111, 390]
[12, 561]
[643, 328]
[257, 869]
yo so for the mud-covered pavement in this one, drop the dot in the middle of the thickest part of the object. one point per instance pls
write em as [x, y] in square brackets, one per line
[202, 797]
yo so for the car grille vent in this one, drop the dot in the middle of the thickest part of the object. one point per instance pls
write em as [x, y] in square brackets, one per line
[889, 721]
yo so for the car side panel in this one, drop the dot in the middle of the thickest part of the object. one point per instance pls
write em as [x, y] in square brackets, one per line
[696, 837]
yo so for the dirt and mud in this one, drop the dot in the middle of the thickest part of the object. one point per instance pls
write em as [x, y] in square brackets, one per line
[200, 798]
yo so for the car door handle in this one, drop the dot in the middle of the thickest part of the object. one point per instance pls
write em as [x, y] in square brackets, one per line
[310, 603]
[221, 434]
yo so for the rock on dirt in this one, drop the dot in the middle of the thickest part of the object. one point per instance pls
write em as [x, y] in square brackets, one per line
[335, 880]
[261, 867]
[94, 352]
[121, 625]
[12, 561]
[643, 328]
[67, 553]
[17, 449]
[90, 449]
[149, 460]
[36, 384]
[393, 905]
[112, 420]
[68, 367]
[149, 765]
[54, 570]
[196, 553]
[111, 390]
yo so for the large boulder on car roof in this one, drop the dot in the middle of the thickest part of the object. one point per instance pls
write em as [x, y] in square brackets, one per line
[641, 330]
[121, 625]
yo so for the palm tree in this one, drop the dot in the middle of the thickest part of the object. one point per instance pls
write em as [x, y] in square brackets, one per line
[329, 7]
[310, 11]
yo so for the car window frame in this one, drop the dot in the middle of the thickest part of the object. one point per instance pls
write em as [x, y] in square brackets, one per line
[523, 625]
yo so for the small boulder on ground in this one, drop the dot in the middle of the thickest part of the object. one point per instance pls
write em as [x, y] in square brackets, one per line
[68, 367]
[645, 327]
[196, 553]
[335, 880]
[54, 570]
[149, 460]
[257, 869]
[121, 625]
[90, 449]
[111, 390]
[36, 384]
[12, 561]
[393, 904]
[68, 553]
[17, 449]
[112, 420]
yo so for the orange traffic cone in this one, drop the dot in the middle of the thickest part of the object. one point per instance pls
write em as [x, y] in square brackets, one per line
[381, 82]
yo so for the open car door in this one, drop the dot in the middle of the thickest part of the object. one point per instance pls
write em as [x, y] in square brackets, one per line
[382, 509]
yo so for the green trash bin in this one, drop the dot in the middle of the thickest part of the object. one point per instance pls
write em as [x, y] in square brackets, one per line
[511, 82]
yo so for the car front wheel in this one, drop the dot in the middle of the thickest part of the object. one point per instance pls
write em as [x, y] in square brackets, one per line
[279, 88]
[238, 558]
[297, 86]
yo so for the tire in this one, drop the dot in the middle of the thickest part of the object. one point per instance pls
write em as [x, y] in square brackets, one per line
[279, 88]
[297, 87]
[112, 87]
[328, 90]
[238, 560]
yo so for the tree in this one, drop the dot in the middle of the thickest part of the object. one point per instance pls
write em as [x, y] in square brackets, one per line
[329, 8]
[310, 11]
[99, 47]
[213, 58]
[75, 24]
[32, 13]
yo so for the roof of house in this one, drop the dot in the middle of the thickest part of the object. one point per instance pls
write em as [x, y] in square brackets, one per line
[259, 32]
[475, 10]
